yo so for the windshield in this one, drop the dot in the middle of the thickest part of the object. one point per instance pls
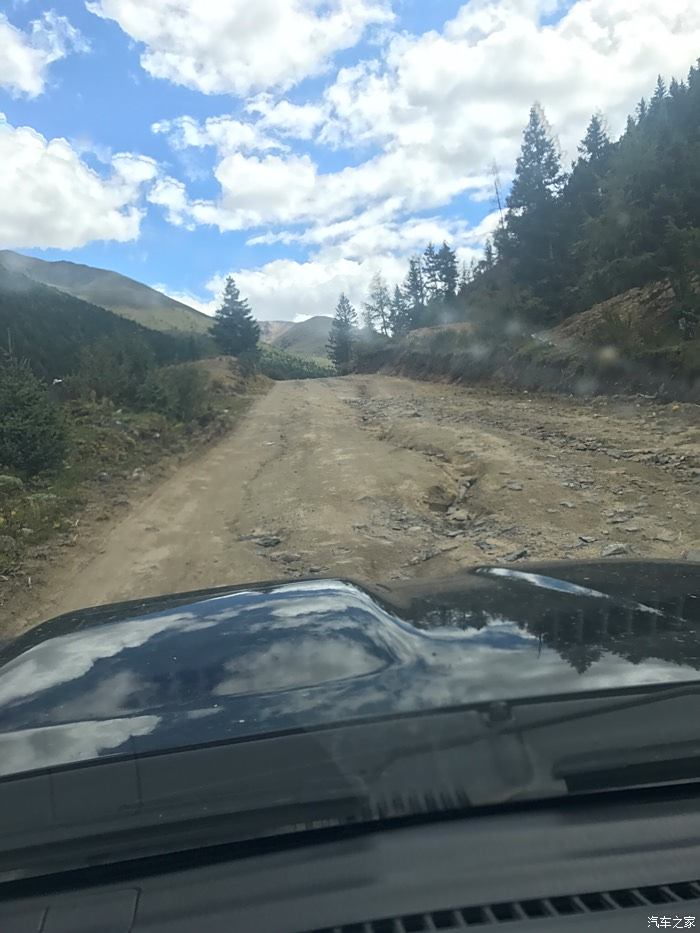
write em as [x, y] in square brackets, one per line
[349, 373]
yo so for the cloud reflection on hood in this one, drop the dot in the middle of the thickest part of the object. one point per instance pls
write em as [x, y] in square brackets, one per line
[318, 653]
[57, 661]
[31, 749]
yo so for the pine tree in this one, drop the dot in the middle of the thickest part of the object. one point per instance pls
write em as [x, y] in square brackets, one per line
[465, 277]
[596, 143]
[377, 308]
[431, 272]
[676, 88]
[538, 175]
[532, 244]
[627, 214]
[446, 262]
[340, 340]
[659, 93]
[414, 292]
[399, 313]
[235, 329]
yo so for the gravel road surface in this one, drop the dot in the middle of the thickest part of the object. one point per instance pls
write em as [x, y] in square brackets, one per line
[378, 478]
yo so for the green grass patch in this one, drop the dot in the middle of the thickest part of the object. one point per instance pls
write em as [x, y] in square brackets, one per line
[111, 453]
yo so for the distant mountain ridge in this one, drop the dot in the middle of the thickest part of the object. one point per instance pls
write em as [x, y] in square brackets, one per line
[111, 290]
[50, 328]
[307, 339]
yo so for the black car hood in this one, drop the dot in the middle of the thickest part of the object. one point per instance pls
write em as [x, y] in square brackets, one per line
[224, 664]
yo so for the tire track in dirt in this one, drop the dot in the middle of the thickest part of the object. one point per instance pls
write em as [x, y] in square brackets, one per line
[378, 478]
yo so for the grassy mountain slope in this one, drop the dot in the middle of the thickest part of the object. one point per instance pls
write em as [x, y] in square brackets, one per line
[110, 290]
[50, 327]
[271, 330]
[306, 339]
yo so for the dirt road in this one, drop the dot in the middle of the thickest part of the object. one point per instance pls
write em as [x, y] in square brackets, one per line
[378, 478]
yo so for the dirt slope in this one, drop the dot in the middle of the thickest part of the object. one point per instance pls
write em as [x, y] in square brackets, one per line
[377, 478]
[638, 318]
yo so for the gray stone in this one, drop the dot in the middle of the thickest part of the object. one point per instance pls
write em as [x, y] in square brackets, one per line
[514, 486]
[613, 549]
[269, 541]
[438, 499]
[516, 555]
[665, 535]
[567, 505]
[289, 558]
[587, 539]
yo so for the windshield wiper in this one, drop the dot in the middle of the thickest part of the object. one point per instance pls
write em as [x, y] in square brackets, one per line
[631, 767]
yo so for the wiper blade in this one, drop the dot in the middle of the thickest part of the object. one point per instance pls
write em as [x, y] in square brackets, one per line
[631, 767]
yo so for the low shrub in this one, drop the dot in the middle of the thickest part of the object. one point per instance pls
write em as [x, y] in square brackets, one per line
[33, 431]
[180, 392]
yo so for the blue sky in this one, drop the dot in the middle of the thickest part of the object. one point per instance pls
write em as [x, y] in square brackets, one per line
[301, 145]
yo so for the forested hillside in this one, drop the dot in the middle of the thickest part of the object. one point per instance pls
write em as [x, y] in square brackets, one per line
[622, 220]
[54, 330]
[626, 214]
[110, 290]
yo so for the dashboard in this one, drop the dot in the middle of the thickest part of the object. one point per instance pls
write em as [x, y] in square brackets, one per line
[620, 861]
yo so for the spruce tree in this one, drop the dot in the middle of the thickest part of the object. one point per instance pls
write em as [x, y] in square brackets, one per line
[447, 273]
[596, 143]
[377, 308]
[399, 313]
[414, 292]
[465, 277]
[538, 174]
[340, 339]
[235, 329]
[533, 244]
[431, 272]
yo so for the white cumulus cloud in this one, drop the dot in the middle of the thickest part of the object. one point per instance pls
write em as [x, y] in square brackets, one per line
[408, 131]
[26, 56]
[241, 46]
[462, 94]
[50, 198]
